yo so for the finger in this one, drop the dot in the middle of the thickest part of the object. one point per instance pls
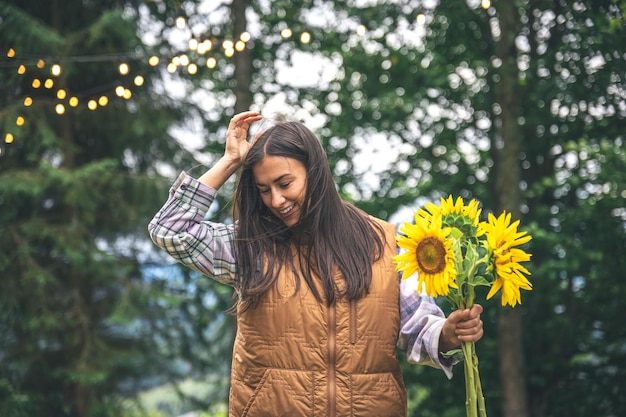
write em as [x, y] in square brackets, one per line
[245, 117]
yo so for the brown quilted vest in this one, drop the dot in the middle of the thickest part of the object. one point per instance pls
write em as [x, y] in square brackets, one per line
[294, 356]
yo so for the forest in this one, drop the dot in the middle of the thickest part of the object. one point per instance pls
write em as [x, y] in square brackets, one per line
[518, 104]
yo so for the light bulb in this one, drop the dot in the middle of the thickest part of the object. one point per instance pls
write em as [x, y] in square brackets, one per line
[123, 68]
[55, 70]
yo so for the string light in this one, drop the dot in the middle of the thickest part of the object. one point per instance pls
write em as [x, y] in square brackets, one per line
[204, 47]
[420, 19]
[195, 45]
[55, 70]
[123, 68]
[181, 22]
[485, 4]
[361, 29]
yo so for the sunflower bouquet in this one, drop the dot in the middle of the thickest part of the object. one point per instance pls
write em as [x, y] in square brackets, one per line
[453, 252]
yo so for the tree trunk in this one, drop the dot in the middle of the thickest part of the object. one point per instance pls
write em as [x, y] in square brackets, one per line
[507, 188]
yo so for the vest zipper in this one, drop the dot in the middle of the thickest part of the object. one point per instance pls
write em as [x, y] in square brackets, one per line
[332, 359]
[352, 322]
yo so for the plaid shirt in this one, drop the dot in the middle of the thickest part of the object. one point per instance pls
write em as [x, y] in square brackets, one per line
[180, 229]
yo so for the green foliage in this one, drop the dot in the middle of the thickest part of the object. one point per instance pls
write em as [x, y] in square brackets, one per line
[76, 193]
[81, 324]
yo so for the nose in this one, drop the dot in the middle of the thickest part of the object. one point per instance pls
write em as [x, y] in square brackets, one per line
[277, 198]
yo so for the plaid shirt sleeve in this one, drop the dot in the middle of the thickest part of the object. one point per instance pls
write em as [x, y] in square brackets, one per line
[180, 230]
[421, 322]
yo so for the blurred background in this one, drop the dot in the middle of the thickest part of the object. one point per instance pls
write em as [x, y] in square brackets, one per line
[519, 104]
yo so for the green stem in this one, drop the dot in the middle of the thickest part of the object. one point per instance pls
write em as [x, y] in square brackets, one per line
[482, 409]
[470, 383]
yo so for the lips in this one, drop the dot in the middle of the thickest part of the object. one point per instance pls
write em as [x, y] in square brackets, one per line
[287, 210]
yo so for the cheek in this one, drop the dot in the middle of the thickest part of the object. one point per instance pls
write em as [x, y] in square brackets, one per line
[303, 190]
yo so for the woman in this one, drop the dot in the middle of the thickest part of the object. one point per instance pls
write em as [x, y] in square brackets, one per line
[320, 309]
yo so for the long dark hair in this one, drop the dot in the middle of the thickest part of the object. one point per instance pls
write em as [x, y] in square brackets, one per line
[331, 233]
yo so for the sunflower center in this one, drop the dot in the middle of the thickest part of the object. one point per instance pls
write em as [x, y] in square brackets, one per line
[431, 255]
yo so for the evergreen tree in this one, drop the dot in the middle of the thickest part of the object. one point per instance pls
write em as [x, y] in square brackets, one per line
[77, 187]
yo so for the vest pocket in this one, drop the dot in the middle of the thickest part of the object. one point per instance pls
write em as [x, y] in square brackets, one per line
[377, 395]
[282, 392]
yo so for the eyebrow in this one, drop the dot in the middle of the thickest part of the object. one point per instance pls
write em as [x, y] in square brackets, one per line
[279, 179]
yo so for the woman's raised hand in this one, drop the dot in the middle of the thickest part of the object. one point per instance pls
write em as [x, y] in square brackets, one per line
[237, 144]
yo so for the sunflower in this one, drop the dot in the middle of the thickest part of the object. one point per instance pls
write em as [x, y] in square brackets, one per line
[428, 253]
[502, 239]
[456, 214]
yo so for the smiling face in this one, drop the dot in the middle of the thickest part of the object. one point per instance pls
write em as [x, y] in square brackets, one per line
[281, 182]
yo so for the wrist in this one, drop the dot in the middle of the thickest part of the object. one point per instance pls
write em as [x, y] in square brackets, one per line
[229, 164]
[220, 172]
